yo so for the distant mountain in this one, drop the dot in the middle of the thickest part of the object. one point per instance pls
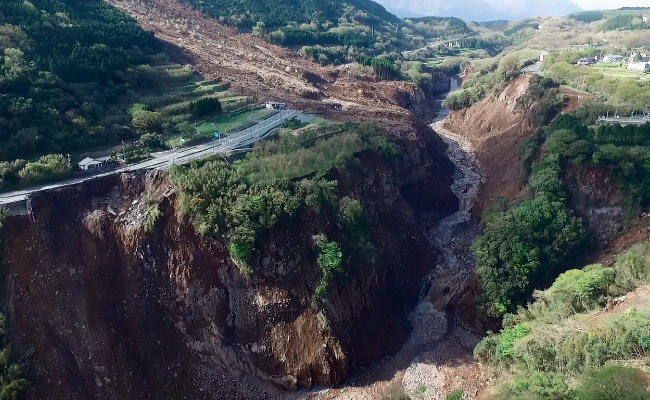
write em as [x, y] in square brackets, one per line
[403, 13]
[483, 10]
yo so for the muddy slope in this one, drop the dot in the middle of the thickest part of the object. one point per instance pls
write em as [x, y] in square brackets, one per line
[254, 67]
[102, 310]
[494, 130]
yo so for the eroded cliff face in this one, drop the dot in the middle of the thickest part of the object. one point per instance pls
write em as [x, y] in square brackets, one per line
[101, 309]
[596, 197]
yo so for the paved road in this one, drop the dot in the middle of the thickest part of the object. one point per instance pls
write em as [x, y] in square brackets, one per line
[166, 159]
[534, 69]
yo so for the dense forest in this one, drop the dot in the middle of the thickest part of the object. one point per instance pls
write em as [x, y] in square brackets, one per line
[68, 72]
[279, 13]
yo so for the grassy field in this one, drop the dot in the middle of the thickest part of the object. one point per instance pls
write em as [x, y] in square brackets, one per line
[615, 13]
[575, 89]
[614, 71]
[228, 122]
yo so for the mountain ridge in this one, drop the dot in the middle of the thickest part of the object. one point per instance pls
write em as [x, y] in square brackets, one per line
[483, 10]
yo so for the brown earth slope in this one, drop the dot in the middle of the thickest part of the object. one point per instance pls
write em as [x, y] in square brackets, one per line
[256, 68]
[99, 309]
[494, 130]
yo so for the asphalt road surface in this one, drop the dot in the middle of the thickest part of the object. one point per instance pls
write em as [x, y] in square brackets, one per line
[166, 159]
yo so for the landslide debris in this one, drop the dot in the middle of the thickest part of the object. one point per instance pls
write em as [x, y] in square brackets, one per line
[267, 72]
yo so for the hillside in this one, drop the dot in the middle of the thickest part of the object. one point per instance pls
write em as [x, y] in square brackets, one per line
[319, 200]
[483, 10]
[72, 59]
[279, 13]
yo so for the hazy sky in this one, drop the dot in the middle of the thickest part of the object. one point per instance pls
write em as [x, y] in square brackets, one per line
[492, 9]
[608, 4]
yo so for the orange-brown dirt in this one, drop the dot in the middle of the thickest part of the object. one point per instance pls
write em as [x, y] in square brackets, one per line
[494, 130]
[638, 300]
[100, 309]
[253, 67]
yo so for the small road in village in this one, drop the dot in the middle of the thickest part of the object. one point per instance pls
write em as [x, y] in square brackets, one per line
[165, 160]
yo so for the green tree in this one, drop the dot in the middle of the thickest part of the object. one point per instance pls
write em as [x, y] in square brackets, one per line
[186, 130]
[146, 121]
[528, 245]
[329, 262]
[205, 106]
[259, 29]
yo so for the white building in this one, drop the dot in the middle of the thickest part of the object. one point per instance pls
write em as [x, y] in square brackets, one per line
[90, 164]
[641, 66]
[276, 106]
[646, 17]
[613, 59]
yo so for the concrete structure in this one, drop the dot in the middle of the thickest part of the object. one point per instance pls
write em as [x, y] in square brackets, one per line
[646, 17]
[544, 54]
[276, 106]
[90, 164]
[18, 202]
[586, 61]
[613, 59]
[641, 66]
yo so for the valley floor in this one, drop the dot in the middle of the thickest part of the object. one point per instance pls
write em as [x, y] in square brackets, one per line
[437, 359]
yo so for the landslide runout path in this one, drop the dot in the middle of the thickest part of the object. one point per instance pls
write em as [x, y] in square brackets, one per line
[257, 68]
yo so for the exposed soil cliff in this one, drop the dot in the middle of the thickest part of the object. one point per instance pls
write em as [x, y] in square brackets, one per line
[493, 130]
[102, 309]
[594, 195]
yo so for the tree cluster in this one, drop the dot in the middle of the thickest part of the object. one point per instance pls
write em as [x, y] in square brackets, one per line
[527, 244]
[64, 67]
[281, 181]
[551, 342]
[381, 67]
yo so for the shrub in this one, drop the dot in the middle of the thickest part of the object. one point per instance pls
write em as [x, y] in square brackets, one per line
[205, 106]
[329, 262]
[455, 395]
[507, 340]
[486, 351]
[47, 168]
[632, 269]
[614, 383]
[9, 173]
[536, 385]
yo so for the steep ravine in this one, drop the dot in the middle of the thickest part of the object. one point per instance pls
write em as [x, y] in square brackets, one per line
[99, 309]
[438, 354]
